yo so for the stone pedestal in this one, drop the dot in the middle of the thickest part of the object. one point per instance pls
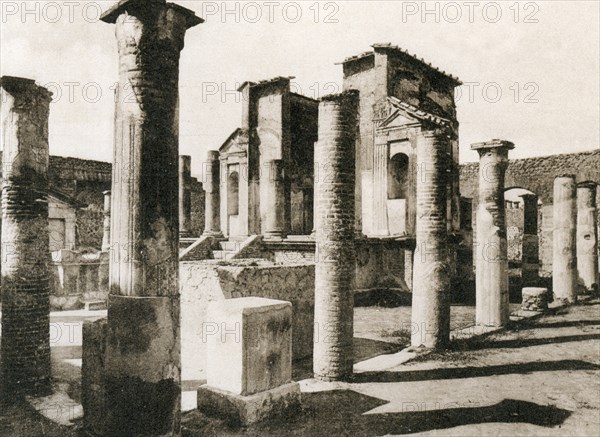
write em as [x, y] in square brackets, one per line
[275, 201]
[430, 318]
[185, 196]
[249, 360]
[142, 379]
[564, 257]
[334, 223]
[25, 341]
[587, 237]
[212, 226]
[535, 299]
[106, 222]
[491, 266]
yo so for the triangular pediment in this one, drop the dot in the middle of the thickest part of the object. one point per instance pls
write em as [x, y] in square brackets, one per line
[394, 113]
[236, 143]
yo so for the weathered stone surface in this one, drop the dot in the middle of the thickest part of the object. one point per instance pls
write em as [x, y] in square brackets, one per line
[535, 299]
[491, 265]
[185, 196]
[249, 342]
[25, 341]
[587, 237]
[275, 200]
[431, 270]
[246, 410]
[106, 222]
[204, 282]
[564, 264]
[93, 391]
[212, 189]
[335, 233]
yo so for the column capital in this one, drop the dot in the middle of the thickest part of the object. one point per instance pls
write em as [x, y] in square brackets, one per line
[145, 7]
[492, 144]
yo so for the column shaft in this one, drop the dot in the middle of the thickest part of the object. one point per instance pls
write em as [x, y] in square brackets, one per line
[564, 255]
[491, 265]
[275, 201]
[212, 195]
[25, 341]
[431, 270]
[185, 196]
[587, 237]
[143, 365]
[106, 222]
[335, 228]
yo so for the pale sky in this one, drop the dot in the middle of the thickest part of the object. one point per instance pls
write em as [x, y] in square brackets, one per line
[545, 65]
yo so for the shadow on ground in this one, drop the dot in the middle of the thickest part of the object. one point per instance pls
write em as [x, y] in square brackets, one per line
[342, 413]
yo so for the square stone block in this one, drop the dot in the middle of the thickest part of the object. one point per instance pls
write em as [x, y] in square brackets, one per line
[246, 410]
[249, 344]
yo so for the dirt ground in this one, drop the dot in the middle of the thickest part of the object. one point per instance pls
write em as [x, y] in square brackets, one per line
[538, 378]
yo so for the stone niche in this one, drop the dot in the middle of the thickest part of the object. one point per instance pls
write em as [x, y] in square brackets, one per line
[208, 281]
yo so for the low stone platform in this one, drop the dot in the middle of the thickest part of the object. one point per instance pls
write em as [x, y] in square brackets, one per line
[535, 299]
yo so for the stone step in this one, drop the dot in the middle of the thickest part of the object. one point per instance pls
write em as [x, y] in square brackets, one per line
[96, 305]
[233, 246]
[223, 254]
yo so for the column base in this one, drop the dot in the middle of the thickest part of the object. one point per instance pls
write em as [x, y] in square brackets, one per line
[246, 410]
[274, 236]
[214, 234]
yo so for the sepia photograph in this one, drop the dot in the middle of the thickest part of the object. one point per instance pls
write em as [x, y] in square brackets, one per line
[299, 218]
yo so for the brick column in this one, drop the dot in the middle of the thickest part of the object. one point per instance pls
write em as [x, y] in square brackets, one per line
[275, 201]
[564, 254]
[106, 222]
[25, 341]
[491, 251]
[185, 196]
[334, 218]
[530, 258]
[587, 236]
[212, 197]
[143, 365]
[431, 268]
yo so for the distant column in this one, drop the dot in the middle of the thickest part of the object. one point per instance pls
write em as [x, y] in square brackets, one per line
[491, 266]
[185, 196]
[530, 258]
[587, 236]
[212, 195]
[564, 252]
[106, 223]
[25, 340]
[335, 229]
[275, 200]
[430, 317]
[143, 366]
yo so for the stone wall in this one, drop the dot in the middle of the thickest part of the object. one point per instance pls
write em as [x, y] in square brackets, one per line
[89, 227]
[206, 281]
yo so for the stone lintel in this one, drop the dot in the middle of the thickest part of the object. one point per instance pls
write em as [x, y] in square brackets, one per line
[493, 144]
[15, 85]
[131, 6]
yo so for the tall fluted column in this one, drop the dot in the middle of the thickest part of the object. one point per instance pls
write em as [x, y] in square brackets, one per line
[212, 195]
[491, 265]
[564, 252]
[587, 236]
[431, 268]
[275, 200]
[335, 228]
[25, 340]
[106, 222]
[143, 364]
[185, 196]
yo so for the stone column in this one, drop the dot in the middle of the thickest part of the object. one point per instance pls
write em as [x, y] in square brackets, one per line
[275, 201]
[106, 223]
[185, 196]
[143, 364]
[430, 318]
[564, 253]
[335, 221]
[530, 258]
[587, 236]
[25, 341]
[491, 251]
[212, 198]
